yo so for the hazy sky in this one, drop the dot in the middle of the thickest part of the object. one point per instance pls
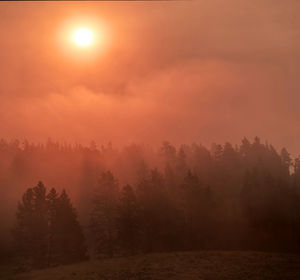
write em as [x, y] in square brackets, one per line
[203, 71]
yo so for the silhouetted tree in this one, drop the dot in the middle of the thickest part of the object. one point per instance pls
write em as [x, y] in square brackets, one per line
[47, 231]
[53, 251]
[104, 215]
[68, 233]
[30, 232]
[286, 162]
[128, 221]
[166, 207]
[159, 216]
[198, 207]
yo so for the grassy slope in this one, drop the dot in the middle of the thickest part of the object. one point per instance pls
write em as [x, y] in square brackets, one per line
[188, 265]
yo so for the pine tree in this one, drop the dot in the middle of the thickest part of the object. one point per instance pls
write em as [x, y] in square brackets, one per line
[67, 232]
[53, 250]
[47, 232]
[199, 209]
[41, 224]
[286, 162]
[104, 215]
[128, 220]
[159, 219]
[23, 232]
[31, 229]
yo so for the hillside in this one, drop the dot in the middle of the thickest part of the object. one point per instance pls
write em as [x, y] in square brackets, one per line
[185, 265]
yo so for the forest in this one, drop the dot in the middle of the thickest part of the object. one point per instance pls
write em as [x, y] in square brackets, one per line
[63, 203]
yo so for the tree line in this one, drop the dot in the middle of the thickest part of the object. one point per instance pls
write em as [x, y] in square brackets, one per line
[245, 197]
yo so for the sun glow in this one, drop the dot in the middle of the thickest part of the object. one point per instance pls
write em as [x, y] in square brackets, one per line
[83, 37]
[84, 40]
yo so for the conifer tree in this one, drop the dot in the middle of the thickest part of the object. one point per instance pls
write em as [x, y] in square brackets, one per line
[199, 208]
[128, 220]
[47, 232]
[53, 250]
[23, 231]
[31, 229]
[68, 234]
[104, 215]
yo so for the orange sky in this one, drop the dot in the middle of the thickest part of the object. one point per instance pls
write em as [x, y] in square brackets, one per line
[204, 71]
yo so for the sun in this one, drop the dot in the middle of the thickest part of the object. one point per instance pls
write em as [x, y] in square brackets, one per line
[83, 37]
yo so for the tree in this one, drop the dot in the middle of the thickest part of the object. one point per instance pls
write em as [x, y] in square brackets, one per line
[286, 162]
[245, 147]
[53, 249]
[160, 220]
[31, 230]
[128, 220]
[198, 208]
[47, 232]
[104, 215]
[23, 231]
[67, 232]
[269, 205]
[296, 175]
[217, 151]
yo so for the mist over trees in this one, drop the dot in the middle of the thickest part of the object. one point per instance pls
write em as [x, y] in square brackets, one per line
[139, 199]
[47, 231]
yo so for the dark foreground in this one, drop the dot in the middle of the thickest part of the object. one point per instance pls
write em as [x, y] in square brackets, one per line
[187, 265]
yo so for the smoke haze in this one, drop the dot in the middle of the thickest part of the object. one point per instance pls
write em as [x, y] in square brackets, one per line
[179, 71]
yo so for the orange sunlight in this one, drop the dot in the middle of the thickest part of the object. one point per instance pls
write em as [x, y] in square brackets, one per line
[83, 37]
